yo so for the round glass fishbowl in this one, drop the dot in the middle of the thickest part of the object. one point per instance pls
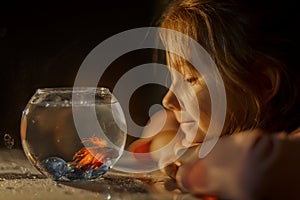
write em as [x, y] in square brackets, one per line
[73, 133]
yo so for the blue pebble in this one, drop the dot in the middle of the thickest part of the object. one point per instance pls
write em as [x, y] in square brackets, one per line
[75, 174]
[101, 170]
[78, 174]
[55, 166]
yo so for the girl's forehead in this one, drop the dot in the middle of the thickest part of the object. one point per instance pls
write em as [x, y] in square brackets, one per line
[179, 51]
[181, 65]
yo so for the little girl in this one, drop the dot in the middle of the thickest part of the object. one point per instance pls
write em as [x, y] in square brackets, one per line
[254, 46]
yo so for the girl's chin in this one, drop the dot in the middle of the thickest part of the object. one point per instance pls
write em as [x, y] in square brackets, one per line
[192, 134]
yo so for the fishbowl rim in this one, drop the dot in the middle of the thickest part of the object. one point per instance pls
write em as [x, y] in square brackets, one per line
[102, 89]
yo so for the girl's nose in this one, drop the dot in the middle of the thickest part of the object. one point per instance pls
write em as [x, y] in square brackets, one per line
[170, 101]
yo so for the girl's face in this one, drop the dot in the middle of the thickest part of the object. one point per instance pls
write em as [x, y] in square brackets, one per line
[189, 99]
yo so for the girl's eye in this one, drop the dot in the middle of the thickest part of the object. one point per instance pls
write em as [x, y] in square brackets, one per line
[192, 80]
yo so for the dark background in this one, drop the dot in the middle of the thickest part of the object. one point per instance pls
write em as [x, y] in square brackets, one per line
[43, 43]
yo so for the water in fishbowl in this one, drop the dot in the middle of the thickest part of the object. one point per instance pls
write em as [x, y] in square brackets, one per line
[57, 148]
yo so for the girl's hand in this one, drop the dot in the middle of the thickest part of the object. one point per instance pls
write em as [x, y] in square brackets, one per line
[249, 165]
[221, 172]
[156, 139]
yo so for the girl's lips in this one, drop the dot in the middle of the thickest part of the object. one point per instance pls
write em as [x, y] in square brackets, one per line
[187, 124]
[188, 127]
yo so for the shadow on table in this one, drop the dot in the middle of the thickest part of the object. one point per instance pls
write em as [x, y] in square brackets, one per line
[116, 185]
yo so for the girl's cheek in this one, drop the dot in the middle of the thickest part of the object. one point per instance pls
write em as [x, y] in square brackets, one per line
[204, 112]
[205, 103]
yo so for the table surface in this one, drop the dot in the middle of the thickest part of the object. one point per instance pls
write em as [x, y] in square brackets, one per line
[18, 178]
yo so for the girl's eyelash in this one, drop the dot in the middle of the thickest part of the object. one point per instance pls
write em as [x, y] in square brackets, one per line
[192, 79]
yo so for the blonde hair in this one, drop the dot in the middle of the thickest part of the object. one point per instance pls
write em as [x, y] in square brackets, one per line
[227, 33]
